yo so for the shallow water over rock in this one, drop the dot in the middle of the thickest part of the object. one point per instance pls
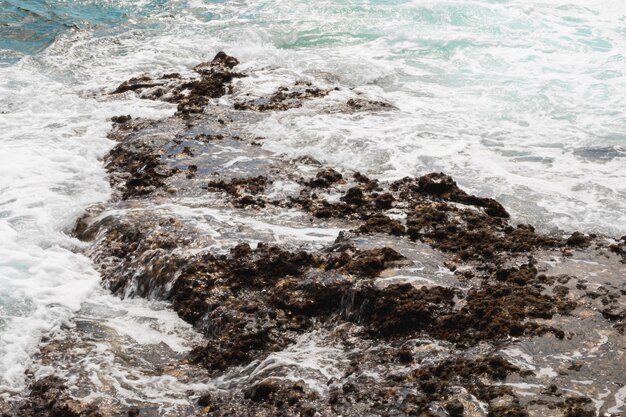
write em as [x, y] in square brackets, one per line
[310, 290]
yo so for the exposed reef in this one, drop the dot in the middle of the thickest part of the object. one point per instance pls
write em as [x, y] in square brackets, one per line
[323, 292]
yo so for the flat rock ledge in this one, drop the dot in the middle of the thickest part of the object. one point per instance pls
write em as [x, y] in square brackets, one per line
[324, 292]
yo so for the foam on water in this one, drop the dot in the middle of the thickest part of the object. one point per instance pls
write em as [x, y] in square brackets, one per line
[518, 101]
[309, 359]
[126, 352]
[53, 136]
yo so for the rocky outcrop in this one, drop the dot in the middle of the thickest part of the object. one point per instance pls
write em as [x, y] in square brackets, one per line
[188, 224]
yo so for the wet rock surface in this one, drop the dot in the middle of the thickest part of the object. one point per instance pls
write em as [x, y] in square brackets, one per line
[321, 292]
[191, 93]
[49, 398]
[284, 98]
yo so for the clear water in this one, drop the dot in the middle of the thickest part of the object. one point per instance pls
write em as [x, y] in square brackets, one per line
[519, 100]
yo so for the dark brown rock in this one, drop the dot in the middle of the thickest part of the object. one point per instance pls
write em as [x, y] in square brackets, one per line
[121, 119]
[455, 408]
[578, 239]
[325, 178]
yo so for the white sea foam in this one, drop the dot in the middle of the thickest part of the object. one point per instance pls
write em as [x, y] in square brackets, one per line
[517, 101]
[53, 136]
[309, 359]
[124, 352]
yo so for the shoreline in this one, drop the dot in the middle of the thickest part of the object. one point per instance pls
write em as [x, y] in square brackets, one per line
[410, 292]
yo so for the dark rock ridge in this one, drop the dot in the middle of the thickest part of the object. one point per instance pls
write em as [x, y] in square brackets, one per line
[402, 348]
[191, 94]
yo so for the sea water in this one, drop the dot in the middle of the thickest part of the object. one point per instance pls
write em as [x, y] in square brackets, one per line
[518, 100]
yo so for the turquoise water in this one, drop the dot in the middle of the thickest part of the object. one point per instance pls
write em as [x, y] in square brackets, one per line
[29, 26]
[521, 100]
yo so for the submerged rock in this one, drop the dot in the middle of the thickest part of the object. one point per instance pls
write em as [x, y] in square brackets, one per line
[284, 98]
[237, 240]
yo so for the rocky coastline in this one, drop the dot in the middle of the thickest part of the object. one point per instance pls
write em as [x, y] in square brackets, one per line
[323, 292]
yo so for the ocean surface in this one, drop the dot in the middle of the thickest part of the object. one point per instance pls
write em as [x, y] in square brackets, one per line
[520, 100]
